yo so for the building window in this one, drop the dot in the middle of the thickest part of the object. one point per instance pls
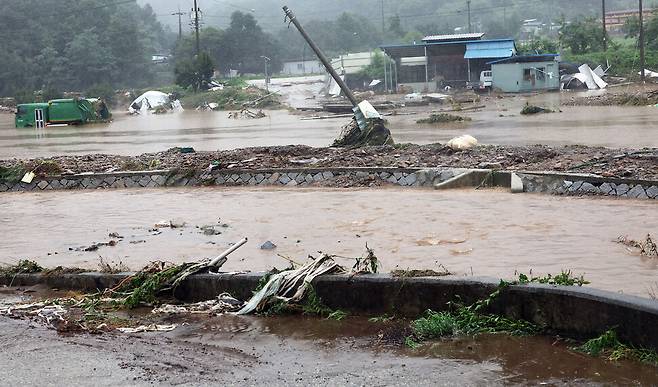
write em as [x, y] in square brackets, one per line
[300, 66]
[541, 73]
[527, 74]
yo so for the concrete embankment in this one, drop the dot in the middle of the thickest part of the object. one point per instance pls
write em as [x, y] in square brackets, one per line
[440, 178]
[577, 312]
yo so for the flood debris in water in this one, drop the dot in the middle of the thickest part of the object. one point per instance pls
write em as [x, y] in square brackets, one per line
[440, 118]
[646, 247]
[224, 303]
[415, 273]
[532, 109]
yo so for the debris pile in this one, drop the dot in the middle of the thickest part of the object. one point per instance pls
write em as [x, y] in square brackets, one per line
[288, 290]
[629, 97]
[608, 162]
[646, 247]
[155, 102]
[531, 109]
[439, 118]
[375, 134]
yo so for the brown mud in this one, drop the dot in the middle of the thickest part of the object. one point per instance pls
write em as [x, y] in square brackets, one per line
[293, 350]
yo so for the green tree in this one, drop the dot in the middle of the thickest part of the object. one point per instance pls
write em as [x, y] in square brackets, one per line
[375, 70]
[631, 28]
[395, 27]
[539, 46]
[582, 36]
[195, 73]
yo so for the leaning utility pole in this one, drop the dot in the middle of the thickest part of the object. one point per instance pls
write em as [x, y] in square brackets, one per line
[196, 27]
[180, 22]
[605, 28]
[470, 27]
[642, 64]
[341, 83]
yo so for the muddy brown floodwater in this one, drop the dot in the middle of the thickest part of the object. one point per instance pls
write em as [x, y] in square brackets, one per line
[482, 233]
[499, 123]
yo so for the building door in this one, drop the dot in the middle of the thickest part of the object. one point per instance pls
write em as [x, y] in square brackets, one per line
[39, 122]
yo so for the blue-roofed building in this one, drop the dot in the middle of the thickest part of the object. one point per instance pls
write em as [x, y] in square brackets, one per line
[444, 60]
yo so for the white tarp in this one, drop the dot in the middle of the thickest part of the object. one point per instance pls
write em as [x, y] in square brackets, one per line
[149, 100]
[649, 73]
[153, 100]
[592, 80]
[334, 88]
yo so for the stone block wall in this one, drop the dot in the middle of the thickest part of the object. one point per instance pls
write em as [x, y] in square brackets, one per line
[558, 184]
[576, 185]
[292, 178]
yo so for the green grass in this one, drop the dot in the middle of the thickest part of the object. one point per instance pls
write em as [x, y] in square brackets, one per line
[462, 320]
[609, 346]
[12, 174]
[565, 278]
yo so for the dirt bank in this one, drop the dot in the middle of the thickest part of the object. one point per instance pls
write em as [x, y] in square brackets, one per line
[627, 163]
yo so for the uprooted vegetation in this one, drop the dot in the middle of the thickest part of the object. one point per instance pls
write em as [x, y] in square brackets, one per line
[374, 134]
[441, 118]
[24, 266]
[532, 109]
[646, 247]
[232, 98]
[287, 291]
[564, 278]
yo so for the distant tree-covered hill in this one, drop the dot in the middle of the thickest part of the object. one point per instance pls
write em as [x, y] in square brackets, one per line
[76, 44]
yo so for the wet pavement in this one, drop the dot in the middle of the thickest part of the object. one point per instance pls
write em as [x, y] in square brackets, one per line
[482, 233]
[294, 350]
[499, 123]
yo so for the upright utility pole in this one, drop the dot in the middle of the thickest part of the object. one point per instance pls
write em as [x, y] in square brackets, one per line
[196, 27]
[605, 27]
[180, 22]
[383, 23]
[642, 62]
[470, 27]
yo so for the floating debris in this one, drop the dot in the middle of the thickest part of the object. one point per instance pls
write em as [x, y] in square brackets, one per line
[440, 118]
[646, 247]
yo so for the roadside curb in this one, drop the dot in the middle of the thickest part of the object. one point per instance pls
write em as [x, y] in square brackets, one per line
[576, 312]
[556, 183]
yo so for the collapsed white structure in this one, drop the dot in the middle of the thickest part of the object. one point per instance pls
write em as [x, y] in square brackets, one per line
[152, 100]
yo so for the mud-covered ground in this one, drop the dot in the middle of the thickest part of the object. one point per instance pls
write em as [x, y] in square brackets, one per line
[628, 163]
[289, 350]
[626, 95]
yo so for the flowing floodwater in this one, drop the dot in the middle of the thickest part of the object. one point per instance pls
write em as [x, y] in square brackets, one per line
[481, 233]
[499, 123]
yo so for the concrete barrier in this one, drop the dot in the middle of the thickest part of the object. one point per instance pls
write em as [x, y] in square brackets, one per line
[576, 312]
